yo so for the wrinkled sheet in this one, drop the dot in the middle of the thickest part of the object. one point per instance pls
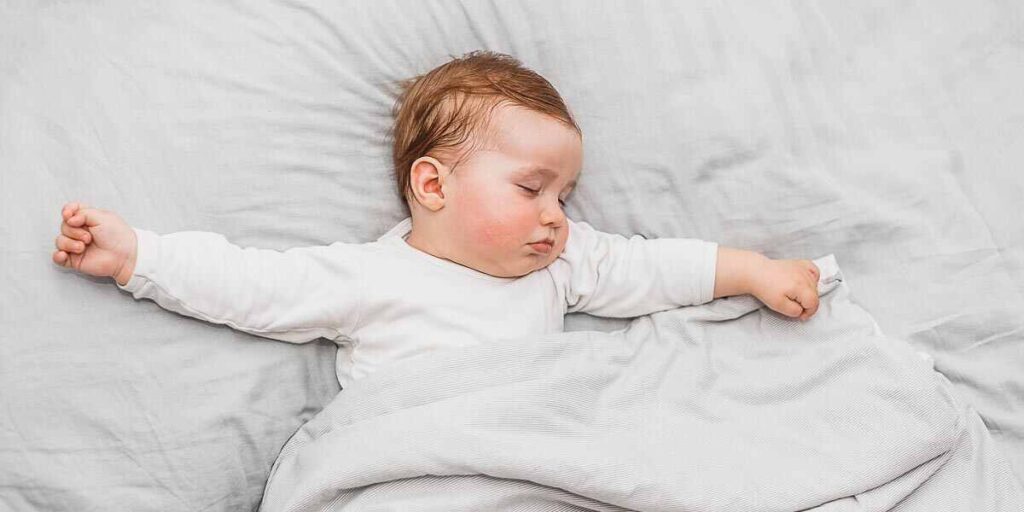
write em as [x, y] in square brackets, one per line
[885, 133]
[725, 406]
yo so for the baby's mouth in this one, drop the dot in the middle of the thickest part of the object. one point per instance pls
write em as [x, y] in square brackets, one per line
[543, 246]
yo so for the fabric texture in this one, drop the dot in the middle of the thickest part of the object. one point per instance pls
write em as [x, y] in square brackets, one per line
[387, 301]
[726, 406]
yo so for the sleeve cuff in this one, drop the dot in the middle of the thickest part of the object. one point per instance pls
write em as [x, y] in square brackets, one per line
[147, 255]
[707, 277]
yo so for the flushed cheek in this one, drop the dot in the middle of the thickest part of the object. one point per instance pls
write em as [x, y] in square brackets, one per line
[490, 235]
[485, 229]
[504, 234]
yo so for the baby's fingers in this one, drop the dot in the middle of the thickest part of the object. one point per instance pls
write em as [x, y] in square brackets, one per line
[69, 245]
[813, 269]
[75, 233]
[808, 299]
[64, 259]
[69, 209]
[788, 306]
[85, 217]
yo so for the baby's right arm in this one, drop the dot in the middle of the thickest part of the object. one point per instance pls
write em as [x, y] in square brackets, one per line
[296, 295]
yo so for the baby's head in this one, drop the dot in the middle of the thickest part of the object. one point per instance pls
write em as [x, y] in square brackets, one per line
[485, 152]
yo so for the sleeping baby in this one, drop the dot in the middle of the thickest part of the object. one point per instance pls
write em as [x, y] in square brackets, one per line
[485, 153]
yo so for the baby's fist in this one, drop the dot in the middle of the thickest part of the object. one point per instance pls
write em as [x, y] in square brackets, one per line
[789, 287]
[95, 242]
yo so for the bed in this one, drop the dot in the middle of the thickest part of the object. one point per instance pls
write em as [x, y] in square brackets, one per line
[886, 134]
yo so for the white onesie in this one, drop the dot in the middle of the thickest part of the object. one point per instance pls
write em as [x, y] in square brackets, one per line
[386, 301]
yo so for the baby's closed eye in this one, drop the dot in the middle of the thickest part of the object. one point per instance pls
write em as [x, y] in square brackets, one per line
[535, 192]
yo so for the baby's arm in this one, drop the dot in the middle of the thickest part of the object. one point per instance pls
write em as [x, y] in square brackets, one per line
[297, 295]
[612, 276]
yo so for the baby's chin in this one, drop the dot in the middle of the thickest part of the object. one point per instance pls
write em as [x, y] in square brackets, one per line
[513, 271]
[519, 265]
[540, 262]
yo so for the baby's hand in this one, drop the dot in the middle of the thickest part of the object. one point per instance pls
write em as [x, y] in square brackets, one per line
[95, 242]
[788, 286]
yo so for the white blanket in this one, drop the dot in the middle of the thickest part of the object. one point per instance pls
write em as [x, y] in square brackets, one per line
[725, 406]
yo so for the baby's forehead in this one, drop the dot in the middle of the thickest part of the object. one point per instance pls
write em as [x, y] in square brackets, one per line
[519, 130]
[522, 140]
[505, 117]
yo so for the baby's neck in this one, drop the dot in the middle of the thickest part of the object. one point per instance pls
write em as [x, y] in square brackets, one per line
[418, 241]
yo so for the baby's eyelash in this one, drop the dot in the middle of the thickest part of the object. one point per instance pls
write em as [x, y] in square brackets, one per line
[535, 192]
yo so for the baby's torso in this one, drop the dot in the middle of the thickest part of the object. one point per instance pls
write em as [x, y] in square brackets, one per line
[414, 304]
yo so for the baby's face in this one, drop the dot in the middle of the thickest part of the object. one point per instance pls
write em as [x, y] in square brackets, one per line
[507, 196]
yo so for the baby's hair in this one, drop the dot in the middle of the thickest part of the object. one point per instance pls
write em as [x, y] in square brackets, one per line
[438, 113]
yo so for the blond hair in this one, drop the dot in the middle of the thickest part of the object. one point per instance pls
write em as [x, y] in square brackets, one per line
[438, 113]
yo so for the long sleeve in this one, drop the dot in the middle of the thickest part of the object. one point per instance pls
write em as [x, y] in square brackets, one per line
[613, 276]
[296, 295]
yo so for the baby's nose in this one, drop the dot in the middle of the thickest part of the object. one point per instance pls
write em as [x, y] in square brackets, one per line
[552, 216]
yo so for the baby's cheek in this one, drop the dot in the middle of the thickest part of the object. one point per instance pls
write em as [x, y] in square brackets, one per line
[495, 226]
[498, 234]
[486, 229]
[561, 239]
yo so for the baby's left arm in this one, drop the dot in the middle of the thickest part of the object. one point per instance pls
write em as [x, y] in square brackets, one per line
[610, 275]
[787, 286]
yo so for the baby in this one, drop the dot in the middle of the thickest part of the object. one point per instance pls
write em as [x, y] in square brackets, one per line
[485, 153]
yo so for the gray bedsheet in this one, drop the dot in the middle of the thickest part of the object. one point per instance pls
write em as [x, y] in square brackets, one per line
[884, 132]
[724, 406]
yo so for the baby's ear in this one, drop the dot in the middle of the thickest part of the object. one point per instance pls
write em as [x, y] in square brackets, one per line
[426, 178]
